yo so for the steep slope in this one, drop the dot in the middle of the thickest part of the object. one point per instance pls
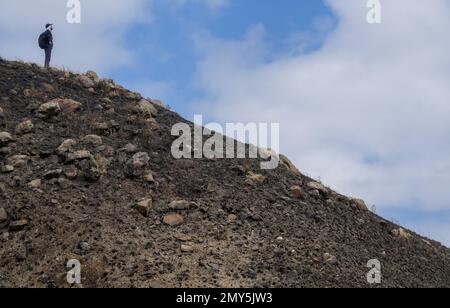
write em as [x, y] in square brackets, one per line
[87, 174]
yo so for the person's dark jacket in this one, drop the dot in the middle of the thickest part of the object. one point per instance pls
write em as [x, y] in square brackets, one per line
[48, 39]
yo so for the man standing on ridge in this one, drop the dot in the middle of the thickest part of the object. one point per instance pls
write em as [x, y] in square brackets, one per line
[46, 43]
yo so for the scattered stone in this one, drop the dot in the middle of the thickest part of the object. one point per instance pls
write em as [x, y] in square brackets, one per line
[180, 205]
[7, 169]
[289, 165]
[149, 178]
[71, 172]
[255, 178]
[360, 204]
[93, 140]
[5, 138]
[187, 248]
[35, 184]
[86, 81]
[69, 105]
[130, 148]
[296, 192]
[52, 174]
[84, 246]
[145, 206]
[401, 233]
[49, 109]
[317, 186]
[146, 108]
[329, 259]
[66, 146]
[25, 127]
[183, 237]
[159, 103]
[78, 155]
[3, 215]
[18, 225]
[173, 219]
[139, 160]
[93, 76]
[18, 161]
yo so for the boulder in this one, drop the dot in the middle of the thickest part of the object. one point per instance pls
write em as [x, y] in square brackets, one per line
[317, 186]
[180, 205]
[49, 109]
[66, 146]
[18, 161]
[18, 225]
[69, 105]
[296, 192]
[145, 206]
[24, 127]
[3, 215]
[5, 138]
[146, 108]
[360, 204]
[173, 219]
[86, 81]
[401, 233]
[93, 140]
[139, 160]
[255, 178]
[35, 184]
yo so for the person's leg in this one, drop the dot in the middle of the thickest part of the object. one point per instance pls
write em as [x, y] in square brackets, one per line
[48, 56]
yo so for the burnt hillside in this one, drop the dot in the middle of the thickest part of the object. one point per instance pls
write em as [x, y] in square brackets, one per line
[87, 174]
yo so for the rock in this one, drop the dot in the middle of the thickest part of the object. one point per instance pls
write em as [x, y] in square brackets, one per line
[66, 146]
[130, 148]
[3, 215]
[93, 76]
[159, 103]
[255, 178]
[93, 140]
[329, 259]
[146, 108]
[183, 237]
[18, 161]
[52, 174]
[86, 81]
[69, 105]
[180, 205]
[71, 172]
[173, 219]
[49, 109]
[187, 248]
[289, 165]
[140, 160]
[296, 192]
[78, 155]
[24, 127]
[7, 169]
[317, 186]
[2, 113]
[48, 87]
[360, 204]
[35, 184]
[149, 178]
[145, 206]
[84, 246]
[18, 225]
[5, 138]
[401, 233]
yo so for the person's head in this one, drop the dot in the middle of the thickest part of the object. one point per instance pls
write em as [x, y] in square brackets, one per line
[49, 27]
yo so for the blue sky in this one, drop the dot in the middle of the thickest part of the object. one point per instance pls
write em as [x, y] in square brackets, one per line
[362, 107]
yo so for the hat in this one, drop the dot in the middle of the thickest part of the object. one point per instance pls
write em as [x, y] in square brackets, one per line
[48, 25]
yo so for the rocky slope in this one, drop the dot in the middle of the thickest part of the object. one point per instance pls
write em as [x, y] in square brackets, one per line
[87, 174]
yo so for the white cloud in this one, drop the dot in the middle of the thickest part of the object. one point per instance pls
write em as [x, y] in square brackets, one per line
[367, 113]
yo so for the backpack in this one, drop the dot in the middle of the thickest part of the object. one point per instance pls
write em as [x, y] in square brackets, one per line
[43, 40]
